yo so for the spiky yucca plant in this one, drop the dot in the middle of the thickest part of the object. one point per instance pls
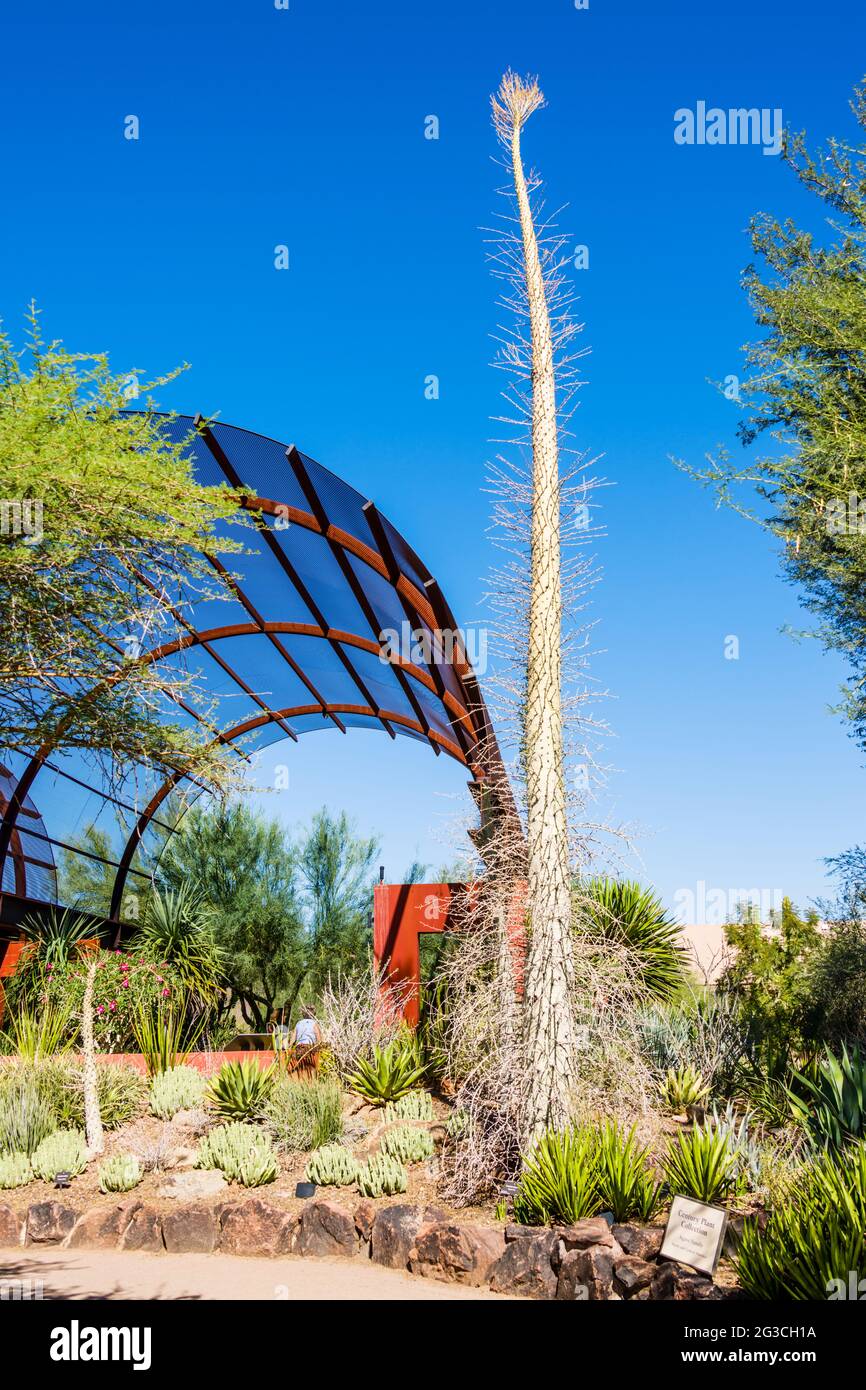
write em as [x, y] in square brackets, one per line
[626, 912]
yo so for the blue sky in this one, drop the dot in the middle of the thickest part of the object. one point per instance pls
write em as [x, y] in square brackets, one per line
[305, 127]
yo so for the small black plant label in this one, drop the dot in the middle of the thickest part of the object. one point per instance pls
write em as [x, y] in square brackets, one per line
[695, 1234]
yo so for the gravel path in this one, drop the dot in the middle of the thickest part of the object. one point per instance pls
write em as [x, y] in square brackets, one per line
[87, 1274]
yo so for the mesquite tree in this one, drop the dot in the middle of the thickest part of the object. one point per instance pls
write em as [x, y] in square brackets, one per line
[548, 1015]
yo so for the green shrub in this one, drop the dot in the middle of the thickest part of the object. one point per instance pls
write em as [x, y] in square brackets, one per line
[304, 1115]
[833, 1108]
[332, 1166]
[164, 1036]
[701, 1165]
[15, 1170]
[179, 1088]
[626, 1184]
[120, 1173]
[408, 1143]
[682, 1088]
[62, 1152]
[814, 1235]
[706, 1032]
[120, 1089]
[393, 1071]
[41, 1032]
[240, 1089]
[382, 1176]
[26, 1117]
[125, 987]
[415, 1105]
[242, 1153]
[560, 1179]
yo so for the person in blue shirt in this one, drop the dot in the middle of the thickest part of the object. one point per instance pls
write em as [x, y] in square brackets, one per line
[307, 1030]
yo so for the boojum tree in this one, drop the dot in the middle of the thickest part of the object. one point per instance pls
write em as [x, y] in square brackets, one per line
[549, 978]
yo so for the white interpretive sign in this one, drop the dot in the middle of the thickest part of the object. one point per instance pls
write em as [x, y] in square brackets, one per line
[694, 1234]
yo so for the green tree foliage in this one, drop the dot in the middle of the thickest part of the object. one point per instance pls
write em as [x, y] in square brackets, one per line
[283, 914]
[87, 879]
[806, 392]
[103, 531]
[767, 975]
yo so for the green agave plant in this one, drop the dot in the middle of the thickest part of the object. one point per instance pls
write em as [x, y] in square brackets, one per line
[392, 1072]
[560, 1180]
[833, 1109]
[682, 1088]
[624, 911]
[701, 1165]
[240, 1090]
[814, 1237]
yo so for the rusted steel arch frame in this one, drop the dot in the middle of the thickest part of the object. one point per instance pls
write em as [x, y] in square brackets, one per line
[305, 483]
[238, 731]
[233, 478]
[405, 588]
[210, 635]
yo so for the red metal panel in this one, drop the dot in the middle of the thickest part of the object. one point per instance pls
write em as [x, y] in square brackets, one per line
[403, 911]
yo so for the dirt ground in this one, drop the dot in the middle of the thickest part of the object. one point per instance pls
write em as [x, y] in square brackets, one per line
[85, 1274]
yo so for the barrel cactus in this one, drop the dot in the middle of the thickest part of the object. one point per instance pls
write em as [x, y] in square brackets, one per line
[408, 1143]
[332, 1166]
[120, 1173]
[382, 1176]
[62, 1152]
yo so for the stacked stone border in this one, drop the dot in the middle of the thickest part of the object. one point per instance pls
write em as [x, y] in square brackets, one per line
[591, 1260]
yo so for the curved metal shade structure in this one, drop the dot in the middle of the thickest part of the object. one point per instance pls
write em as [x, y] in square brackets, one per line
[295, 646]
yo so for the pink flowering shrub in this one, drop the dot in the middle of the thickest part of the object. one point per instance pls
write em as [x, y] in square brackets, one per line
[125, 983]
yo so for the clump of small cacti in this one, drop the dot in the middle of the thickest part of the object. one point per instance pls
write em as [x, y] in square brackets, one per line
[258, 1168]
[456, 1125]
[62, 1152]
[120, 1173]
[332, 1166]
[408, 1143]
[15, 1170]
[179, 1088]
[242, 1153]
[382, 1176]
[415, 1105]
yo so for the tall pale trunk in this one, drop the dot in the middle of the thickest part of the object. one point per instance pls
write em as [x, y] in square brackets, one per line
[550, 963]
[92, 1117]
